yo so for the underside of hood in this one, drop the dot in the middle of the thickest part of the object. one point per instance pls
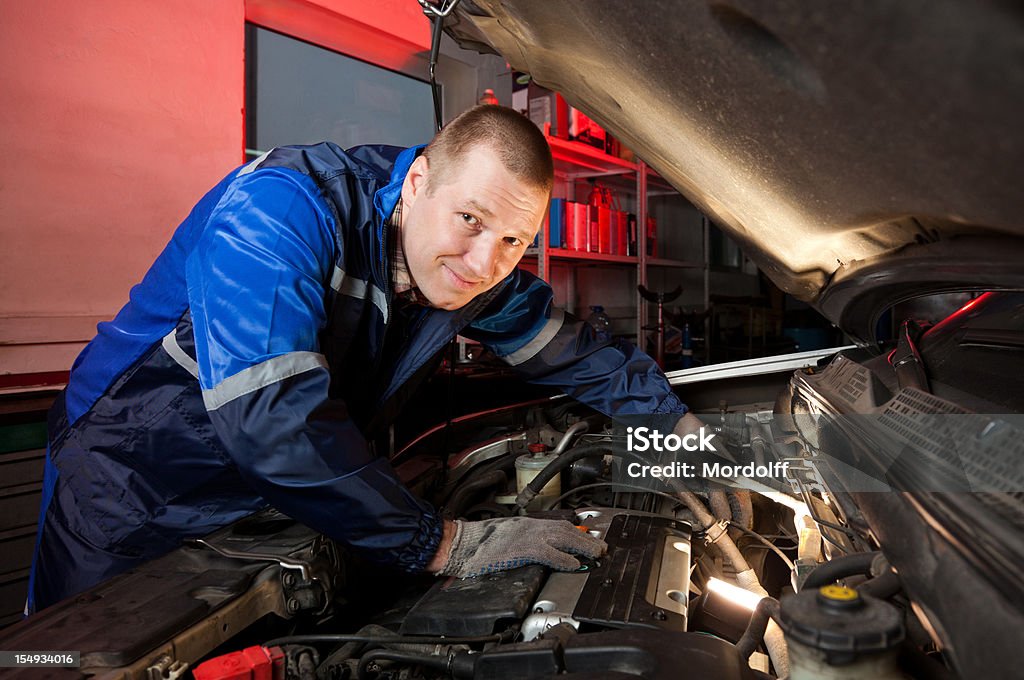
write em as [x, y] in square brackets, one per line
[858, 154]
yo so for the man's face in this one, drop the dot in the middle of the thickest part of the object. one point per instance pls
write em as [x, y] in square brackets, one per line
[465, 235]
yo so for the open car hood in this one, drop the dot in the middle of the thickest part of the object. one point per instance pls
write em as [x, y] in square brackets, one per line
[858, 156]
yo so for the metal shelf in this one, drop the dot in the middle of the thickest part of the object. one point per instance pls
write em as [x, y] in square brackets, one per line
[576, 160]
[583, 255]
[678, 264]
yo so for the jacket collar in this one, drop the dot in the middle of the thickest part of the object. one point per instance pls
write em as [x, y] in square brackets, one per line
[384, 202]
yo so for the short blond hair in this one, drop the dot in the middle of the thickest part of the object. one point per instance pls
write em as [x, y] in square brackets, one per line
[518, 143]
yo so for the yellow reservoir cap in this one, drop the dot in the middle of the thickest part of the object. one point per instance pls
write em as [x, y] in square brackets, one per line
[838, 593]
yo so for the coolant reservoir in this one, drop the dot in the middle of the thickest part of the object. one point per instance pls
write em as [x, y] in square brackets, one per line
[527, 467]
[835, 633]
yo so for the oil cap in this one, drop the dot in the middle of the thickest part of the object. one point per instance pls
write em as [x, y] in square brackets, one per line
[841, 622]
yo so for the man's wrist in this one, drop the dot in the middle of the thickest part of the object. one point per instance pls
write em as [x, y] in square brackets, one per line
[444, 548]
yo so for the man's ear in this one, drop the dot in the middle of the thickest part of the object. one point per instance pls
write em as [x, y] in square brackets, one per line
[415, 182]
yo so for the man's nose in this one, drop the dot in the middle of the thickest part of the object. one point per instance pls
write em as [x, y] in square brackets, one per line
[482, 257]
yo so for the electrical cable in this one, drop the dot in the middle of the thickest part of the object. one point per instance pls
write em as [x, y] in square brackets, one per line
[771, 546]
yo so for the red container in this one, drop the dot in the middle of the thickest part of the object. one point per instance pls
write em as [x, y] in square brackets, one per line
[620, 233]
[604, 230]
[583, 227]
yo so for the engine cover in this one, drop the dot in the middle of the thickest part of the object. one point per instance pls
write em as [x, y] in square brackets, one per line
[643, 580]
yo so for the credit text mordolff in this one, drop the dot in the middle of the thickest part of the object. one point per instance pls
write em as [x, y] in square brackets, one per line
[710, 470]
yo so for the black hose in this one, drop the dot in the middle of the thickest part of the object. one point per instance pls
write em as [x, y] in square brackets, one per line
[384, 639]
[561, 463]
[352, 649]
[767, 608]
[840, 567]
[465, 490]
[438, 663]
[882, 586]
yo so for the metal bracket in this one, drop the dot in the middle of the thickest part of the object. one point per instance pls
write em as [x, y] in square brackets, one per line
[442, 10]
[715, 532]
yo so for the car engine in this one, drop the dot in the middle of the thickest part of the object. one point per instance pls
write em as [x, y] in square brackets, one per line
[853, 563]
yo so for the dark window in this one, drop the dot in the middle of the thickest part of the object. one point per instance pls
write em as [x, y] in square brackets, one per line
[298, 93]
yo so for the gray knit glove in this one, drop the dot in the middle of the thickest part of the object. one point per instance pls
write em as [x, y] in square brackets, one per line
[510, 542]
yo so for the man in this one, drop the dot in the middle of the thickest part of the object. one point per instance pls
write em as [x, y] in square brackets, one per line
[292, 311]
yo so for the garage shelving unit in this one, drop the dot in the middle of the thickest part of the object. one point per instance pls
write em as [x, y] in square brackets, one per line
[576, 163]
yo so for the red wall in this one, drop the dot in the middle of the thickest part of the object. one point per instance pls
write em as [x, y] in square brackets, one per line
[117, 116]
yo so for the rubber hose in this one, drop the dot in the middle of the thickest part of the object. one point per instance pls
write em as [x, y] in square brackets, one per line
[742, 507]
[706, 520]
[350, 649]
[437, 663]
[719, 502]
[767, 608]
[883, 586]
[840, 567]
[467, 489]
[774, 640]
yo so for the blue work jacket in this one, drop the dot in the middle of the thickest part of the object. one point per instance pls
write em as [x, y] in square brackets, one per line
[249, 361]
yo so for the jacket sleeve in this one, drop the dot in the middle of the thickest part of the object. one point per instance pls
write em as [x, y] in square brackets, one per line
[256, 285]
[548, 346]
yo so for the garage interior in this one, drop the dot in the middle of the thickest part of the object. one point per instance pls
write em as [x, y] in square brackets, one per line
[110, 92]
[862, 158]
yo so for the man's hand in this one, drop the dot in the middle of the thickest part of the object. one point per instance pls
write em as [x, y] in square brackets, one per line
[508, 542]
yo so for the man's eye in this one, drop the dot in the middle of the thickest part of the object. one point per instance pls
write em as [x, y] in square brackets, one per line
[513, 241]
[470, 220]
